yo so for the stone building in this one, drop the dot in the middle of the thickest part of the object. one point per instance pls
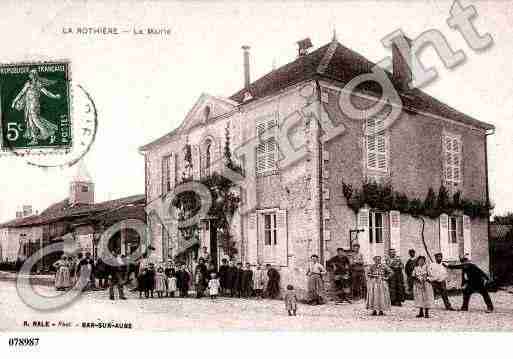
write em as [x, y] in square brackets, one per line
[78, 218]
[299, 205]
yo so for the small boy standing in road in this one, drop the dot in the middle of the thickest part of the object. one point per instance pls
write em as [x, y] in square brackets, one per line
[291, 300]
[213, 286]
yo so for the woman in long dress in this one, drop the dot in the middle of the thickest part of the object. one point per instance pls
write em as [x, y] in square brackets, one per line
[422, 289]
[62, 276]
[378, 295]
[396, 279]
[28, 100]
[315, 281]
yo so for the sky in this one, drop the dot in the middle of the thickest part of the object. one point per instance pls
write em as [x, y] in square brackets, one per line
[144, 85]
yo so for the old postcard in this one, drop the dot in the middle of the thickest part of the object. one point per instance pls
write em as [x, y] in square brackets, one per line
[245, 166]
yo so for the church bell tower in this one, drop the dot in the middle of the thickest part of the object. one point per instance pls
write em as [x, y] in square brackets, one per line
[81, 187]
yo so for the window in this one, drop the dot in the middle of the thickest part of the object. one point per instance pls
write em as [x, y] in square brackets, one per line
[453, 233]
[166, 174]
[376, 227]
[84, 189]
[376, 142]
[452, 161]
[206, 113]
[207, 157]
[270, 230]
[267, 149]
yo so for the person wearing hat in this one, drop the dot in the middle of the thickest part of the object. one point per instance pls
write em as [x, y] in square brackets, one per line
[439, 279]
[473, 280]
[358, 274]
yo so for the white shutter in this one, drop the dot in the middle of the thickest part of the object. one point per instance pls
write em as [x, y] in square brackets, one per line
[395, 231]
[467, 239]
[363, 237]
[444, 236]
[252, 246]
[281, 225]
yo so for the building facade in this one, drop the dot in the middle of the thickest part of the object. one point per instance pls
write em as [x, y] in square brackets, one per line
[298, 150]
[76, 223]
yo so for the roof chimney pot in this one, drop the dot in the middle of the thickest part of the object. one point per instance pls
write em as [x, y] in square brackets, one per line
[247, 78]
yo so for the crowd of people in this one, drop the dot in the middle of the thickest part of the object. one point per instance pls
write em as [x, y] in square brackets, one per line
[383, 284]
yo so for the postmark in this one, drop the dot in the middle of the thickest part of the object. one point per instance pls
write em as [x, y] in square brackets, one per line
[35, 107]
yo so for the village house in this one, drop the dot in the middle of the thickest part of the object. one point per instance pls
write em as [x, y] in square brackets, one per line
[324, 200]
[77, 218]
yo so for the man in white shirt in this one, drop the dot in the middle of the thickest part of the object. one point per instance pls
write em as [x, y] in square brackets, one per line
[439, 280]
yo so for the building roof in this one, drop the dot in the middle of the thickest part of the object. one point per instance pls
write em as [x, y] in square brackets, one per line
[335, 62]
[62, 210]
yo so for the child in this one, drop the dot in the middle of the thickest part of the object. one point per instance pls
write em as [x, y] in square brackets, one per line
[258, 281]
[160, 282]
[171, 285]
[213, 285]
[422, 289]
[291, 300]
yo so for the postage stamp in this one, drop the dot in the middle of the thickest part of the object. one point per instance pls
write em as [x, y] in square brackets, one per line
[35, 106]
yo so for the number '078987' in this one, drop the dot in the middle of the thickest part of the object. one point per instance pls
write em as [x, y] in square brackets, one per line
[23, 342]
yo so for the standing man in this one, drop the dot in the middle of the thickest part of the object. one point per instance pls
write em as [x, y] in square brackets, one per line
[396, 280]
[408, 269]
[341, 268]
[115, 274]
[473, 280]
[223, 276]
[273, 283]
[316, 281]
[439, 280]
[359, 290]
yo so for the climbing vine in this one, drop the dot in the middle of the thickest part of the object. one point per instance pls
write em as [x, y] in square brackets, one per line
[384, 197]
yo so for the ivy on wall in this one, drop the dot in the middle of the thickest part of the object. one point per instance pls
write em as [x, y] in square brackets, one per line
[384, 197]
[225, 201]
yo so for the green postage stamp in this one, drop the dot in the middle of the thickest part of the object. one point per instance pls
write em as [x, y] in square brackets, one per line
[35, 107]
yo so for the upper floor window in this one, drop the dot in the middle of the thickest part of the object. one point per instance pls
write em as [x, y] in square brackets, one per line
[267, 149]
[206, 113]
[166, 174]
[84, 188]
[207, 158]
[452, 161]
[376, 146]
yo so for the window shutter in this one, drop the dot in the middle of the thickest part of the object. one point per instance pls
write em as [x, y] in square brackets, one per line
[467, 241]
[444, 236]
[363, 237]
[395, 231]
[281, 225]
[252, 238]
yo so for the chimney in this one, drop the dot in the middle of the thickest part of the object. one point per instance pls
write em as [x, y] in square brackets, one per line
[401, 62]
[247, 81]
[303, 46]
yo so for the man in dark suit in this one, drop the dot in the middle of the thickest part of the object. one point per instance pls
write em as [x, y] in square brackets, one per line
[473, 280]
[114, 268]
[223, 276]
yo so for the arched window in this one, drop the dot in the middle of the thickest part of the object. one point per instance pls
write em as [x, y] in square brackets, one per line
[207, 157]
[206, 113]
